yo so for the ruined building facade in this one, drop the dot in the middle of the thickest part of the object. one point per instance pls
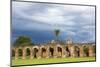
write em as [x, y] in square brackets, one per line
[55, 50]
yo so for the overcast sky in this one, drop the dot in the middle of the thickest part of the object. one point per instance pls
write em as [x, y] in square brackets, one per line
[38, 21]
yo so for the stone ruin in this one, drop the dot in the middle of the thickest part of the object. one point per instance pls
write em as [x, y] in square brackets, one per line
[54, 50]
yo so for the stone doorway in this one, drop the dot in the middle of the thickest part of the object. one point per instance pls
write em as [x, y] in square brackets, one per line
[68, 54]
[20, 53]
[35, 54]
[13, 53]
[77, 51]
[86, 51]
[43, 51]
[59, 49]
[51, 52]
[28, 52]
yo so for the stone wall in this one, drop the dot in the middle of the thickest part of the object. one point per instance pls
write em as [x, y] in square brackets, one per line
[53, 50]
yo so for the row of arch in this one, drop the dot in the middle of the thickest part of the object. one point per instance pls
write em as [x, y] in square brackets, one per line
[52, 51]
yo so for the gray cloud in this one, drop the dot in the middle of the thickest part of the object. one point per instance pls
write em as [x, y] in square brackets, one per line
[73, 20]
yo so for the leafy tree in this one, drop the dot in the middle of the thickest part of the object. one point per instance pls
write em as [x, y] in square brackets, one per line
[23, 41]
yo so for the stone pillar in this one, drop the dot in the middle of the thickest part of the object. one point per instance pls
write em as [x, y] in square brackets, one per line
[63, 52]
[72, 51]
[16, 54]
[31, 54]
[81, 51]
[47, 52]
[55, 52]
[39, 53]
[91, 51]
[24, 54]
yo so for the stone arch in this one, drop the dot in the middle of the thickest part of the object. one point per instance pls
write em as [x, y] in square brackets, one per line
[43, 51]
[86, 50]
[59, 50]
[68, 53]
[77, 51]
[28, 52]
[35, 51]
[20, 53]
[13, 53]
[51, 51]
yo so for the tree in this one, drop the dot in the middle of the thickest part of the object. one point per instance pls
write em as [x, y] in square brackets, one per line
[57, 31]
[22, 41]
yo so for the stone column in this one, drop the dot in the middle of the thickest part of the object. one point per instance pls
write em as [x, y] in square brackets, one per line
[24, 54]
[47, 52]
[72, 51]
[55, 52]
[39, 53]
[16, 54]
[63, 52]
[81, 51]
[91, 51]
[31, 54]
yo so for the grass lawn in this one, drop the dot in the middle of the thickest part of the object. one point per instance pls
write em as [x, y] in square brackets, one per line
[50, 60]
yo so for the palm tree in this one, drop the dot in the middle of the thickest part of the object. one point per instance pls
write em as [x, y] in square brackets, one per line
[57, 31]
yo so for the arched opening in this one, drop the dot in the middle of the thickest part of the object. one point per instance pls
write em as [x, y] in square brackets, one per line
[20, 53]
[28, 53]
[51, 52]
[13, 53]
[86, 51]
[59, 49]
[43, 51]
[68, 52]
[77, 51]
[35, 54]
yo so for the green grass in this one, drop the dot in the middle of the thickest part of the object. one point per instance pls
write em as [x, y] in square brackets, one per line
[50, 60]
